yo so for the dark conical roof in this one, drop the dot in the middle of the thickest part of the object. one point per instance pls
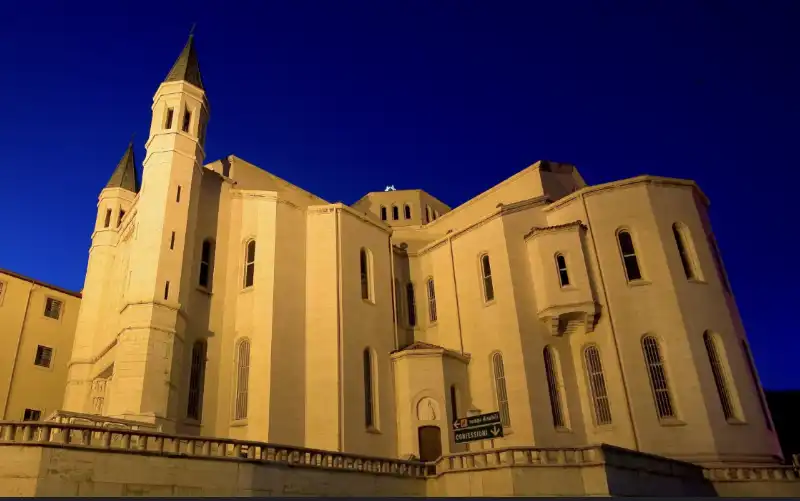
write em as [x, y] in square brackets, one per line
[186, 67]
[124, 175]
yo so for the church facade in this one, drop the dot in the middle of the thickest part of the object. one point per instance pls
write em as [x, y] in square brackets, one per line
[221, 300]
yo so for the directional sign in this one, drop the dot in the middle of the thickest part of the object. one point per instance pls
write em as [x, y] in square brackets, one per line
[485, 432]
[479, 420]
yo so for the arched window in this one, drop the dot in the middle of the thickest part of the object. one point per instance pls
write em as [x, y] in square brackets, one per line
[561, 266]
[407, 211]
[500, 388]
[249, 263]
[427, 214]
[748, 355]
[629, 259]
[718, 370]
[682, 243]
[658, 377]
[242, 379]
[395, 213]
[486, 275]
[412, 305]
[196, 380]
[383, 213]
[453, 402]
[435, 214]
[369, 389]
[597, 385]
[365, 264]
[432, 316]
[206, 264]
[554, 387]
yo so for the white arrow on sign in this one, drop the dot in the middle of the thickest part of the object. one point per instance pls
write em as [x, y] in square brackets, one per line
[495, 431]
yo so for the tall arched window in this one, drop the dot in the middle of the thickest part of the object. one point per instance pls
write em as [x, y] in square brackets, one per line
[369, 389]
[721, 381]
[395, 213]
[629, 259]
[206, 264]
[432, 315]
[412, 305]
[383, 213]
[242, 379]
[554, 387]
[658, 377]
[751, 365]
[682, 242]
[249, 263]
[486, 275]
[196, 380]
[499, 372]
[597, 385]
[453, 402]
[365, 264]
[561, 266]
[407, 211]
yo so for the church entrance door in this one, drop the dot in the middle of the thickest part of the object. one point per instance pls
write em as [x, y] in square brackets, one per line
[430, 443]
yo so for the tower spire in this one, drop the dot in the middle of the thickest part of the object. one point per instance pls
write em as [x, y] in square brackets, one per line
[187, 67]
[124, 175]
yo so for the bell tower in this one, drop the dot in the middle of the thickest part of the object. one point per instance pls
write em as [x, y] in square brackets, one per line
[149, 353]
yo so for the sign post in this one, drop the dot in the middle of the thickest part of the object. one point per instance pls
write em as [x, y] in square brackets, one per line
[475, 428]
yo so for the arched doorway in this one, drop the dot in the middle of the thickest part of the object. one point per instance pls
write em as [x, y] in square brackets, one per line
[430, 443]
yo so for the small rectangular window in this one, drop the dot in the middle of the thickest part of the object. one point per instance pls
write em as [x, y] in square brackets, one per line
[52, 308]
[172, 241]
[107, 222]
[187, 119]
[166, 290]
[168, 121]
[178, 194]
[32, 415]
[44, 356]
[561, 264]
[121, 217]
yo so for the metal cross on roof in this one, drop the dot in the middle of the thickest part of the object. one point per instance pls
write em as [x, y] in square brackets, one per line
[390, 188]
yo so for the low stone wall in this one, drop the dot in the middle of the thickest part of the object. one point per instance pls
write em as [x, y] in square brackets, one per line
[56, 459]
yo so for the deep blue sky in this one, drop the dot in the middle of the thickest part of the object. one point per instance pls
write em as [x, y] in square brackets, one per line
[344, 97]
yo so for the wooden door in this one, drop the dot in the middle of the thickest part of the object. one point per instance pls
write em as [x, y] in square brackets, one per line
[430, 443]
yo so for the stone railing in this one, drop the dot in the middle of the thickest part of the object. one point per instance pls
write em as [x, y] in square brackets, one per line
[51, 434]
[519, 456]
[744, 474]
[66, 417]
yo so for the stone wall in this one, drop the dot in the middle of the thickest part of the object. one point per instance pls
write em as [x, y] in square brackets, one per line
[53, 459]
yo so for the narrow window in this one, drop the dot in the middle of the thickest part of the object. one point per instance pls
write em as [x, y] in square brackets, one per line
[632, 271]
[453, 402]
[486, 273]
[121, 217]
[369, 389]
[723, 277]
[427, 214]
[168, 121]
[597, 386]
[748, 355]
[383, 213]
[398, 298]
[52, 308]
[680, 243]
[658, 377]
[364, 261]
[407, 211]
[242, 379]
[206, 264]
[412, 305]
[250, 263]
[172, 241]
[432, 316]
[720, 377]
[166, 290]
[561, 266]
[554, 387]
[178, 194]
[44, 356]
[32, 415]
[435, 214]
[395, 213]
[107, 221]
[500, 389]
[196, 380]
[187, 119]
